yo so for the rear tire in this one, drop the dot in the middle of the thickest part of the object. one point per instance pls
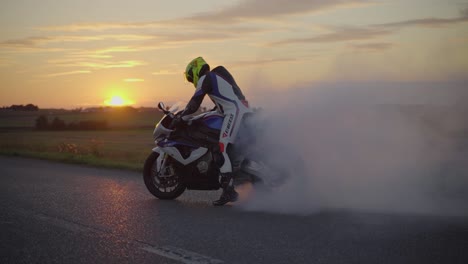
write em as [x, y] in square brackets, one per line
[164, 184]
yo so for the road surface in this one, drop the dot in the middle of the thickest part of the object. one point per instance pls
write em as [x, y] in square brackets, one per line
[58, 213]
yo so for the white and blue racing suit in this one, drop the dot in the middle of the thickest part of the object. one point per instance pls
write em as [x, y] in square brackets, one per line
[221, 87]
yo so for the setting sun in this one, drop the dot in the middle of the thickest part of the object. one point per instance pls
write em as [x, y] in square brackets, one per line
[117, 100]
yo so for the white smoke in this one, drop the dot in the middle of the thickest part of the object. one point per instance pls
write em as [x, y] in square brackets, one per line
[364, 148]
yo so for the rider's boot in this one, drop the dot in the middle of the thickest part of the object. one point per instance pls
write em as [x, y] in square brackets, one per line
[229, 194]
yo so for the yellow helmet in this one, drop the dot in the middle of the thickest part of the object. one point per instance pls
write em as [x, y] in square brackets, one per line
[193, 69]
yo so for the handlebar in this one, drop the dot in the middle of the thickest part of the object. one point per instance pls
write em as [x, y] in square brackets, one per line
[162, 107]
[175, 117]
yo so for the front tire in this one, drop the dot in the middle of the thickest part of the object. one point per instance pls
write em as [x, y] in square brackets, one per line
[164, 184]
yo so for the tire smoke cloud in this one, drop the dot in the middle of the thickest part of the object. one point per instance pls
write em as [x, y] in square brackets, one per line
[358, 147]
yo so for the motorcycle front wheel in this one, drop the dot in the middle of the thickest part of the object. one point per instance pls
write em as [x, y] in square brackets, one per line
[163, 183]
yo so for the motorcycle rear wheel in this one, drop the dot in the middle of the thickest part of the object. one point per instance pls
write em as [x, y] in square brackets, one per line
[164, 184]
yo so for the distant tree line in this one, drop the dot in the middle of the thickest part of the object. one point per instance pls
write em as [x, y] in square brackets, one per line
[42, 123]
[28, 107]
[128, 109]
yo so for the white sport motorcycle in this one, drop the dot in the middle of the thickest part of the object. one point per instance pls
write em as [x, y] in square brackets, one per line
[187, 156]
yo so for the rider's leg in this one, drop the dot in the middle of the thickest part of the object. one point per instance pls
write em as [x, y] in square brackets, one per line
[226, 180]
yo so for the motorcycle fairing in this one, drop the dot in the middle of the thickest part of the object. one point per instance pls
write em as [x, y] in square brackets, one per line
[172, 151]
[213, 121]
[160, 158]
[174, 143]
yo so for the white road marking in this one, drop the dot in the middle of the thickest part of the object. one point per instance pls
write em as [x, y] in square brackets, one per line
[178, 254]
[63, 223]
[182, 255]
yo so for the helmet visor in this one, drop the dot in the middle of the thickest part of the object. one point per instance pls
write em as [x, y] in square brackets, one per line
[189, 75]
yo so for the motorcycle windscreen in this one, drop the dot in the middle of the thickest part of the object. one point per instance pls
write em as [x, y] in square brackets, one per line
[213, 121]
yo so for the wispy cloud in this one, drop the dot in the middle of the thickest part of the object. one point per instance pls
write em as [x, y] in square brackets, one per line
[229, 23]
[141, 42]
[95, 63]
[115, 50]
[237, 21]
[88, 55]
[243, 11]
[372, 32]
[133, 80]
[26, 45]
[342, 34]
[247, 63]
[24, 42]
[270, 9]
[428, 22]
[111, 64]
[4, 62]
[67, 73]
[102, 26]
[166, 72]
[372, 46]
[36, 41]
[425, 22]
[19, 49]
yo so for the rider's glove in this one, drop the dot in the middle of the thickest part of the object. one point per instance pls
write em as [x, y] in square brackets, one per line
[177, 120]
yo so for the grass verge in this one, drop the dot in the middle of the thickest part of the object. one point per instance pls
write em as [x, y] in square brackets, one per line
[71, 158]
[122, 149]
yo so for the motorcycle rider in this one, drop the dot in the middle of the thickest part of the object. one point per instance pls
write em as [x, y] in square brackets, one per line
[223, 90]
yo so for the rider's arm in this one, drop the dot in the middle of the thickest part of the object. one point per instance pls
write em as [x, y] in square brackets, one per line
[204, 86]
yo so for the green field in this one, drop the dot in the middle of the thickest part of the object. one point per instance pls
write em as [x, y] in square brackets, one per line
[125, 145]
[116, 118]
[118, 149]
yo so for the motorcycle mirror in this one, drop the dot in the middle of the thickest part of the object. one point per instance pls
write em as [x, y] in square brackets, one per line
[161, 106]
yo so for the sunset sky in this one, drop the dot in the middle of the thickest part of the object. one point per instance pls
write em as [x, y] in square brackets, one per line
[61, 53]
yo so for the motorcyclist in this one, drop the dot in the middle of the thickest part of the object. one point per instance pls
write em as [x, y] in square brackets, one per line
[223, 90]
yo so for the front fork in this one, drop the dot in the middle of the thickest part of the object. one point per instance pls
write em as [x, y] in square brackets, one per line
[161, 163]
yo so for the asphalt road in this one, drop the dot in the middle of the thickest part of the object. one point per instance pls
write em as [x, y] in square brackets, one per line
[56, 213]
